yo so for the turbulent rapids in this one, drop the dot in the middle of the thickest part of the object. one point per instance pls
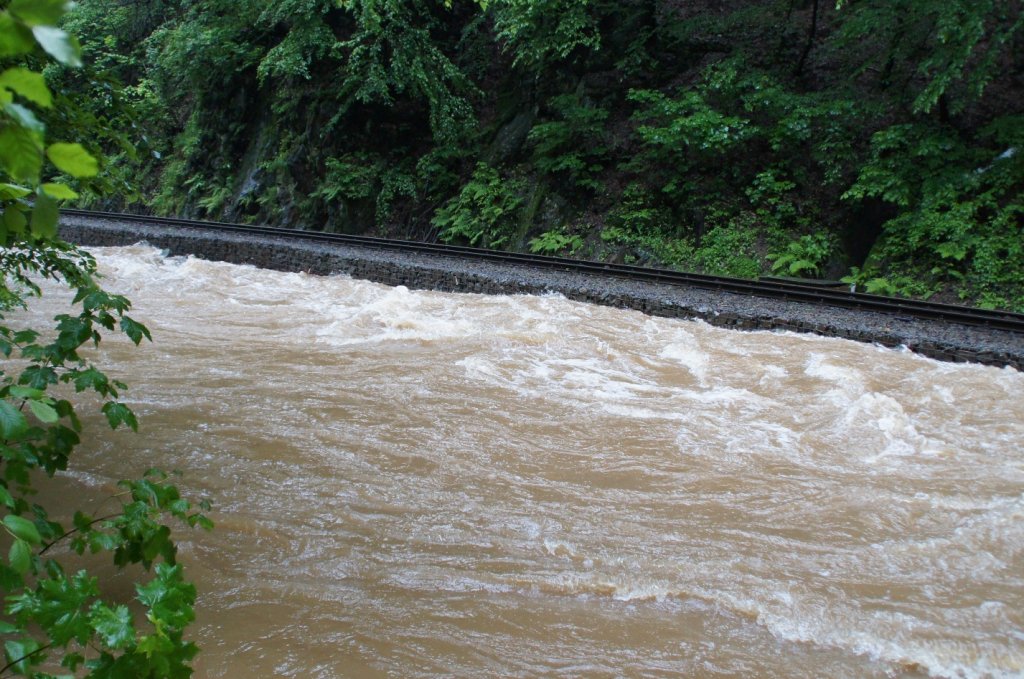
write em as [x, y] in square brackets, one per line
[414, 484]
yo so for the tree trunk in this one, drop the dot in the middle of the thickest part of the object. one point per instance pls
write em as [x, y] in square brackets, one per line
[810, 40]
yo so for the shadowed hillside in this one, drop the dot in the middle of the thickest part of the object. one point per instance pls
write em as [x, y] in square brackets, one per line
[878, 140]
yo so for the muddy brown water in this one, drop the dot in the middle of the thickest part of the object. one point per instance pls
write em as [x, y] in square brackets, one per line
[423, 484]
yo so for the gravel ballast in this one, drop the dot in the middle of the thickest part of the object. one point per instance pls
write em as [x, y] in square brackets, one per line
[943, 341]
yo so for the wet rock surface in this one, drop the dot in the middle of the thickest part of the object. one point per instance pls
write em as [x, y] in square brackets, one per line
[943, 341]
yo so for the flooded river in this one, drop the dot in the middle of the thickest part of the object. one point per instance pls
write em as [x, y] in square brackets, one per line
[419, 484]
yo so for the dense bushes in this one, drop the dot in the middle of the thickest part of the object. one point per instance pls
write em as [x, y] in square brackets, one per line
[725, 136]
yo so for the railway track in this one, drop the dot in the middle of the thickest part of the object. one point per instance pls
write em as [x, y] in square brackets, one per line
[773, 289]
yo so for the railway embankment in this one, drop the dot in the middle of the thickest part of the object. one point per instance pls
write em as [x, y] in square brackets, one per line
[416, 270]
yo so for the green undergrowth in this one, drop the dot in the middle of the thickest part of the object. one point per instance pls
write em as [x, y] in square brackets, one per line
[877, 140]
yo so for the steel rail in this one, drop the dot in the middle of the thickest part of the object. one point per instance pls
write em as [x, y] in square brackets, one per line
[1003, 320]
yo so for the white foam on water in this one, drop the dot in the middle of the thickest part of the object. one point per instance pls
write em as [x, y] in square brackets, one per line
[693, 358]
[561, 548]
[599, 585]
[847, 379]
[794, 617]
[873, 414]
[896, 639]
[397, 315]
[864, 503]
[875, 425]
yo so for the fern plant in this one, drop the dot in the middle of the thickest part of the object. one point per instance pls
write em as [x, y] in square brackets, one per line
[349, 177]
[552, 242]
[805, 256]
[484, 212]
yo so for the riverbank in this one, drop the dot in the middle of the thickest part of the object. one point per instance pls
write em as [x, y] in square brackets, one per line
[942, 341]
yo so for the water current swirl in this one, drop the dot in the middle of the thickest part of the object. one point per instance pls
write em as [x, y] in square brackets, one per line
[419, 484]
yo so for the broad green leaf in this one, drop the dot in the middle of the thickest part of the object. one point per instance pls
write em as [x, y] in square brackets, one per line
[73, 159]
[118, 414]
[39, 377]
[20, 154]
[20, 391]
[43, 411]
[23, 529]
[91, 378]
[60, 191]
[12, 423]
[135, 330]
[801, 265]
[113, 625]
[154, 645]
[24, 116]
[15, 39]
[26, 336]
[59, 45]
[9, 580]
[104, 542]
[28, 84]
[44, 217]
[954, 250]
[8, 500]
[14, 220]
[20, 556]
[39, 12]
[18, 652]
[13, 191]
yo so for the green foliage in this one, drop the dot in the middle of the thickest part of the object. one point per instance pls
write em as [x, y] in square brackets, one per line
[48, 609]
[805, 256]
[392, 53]
[396, 181]
[676, 126]
[636, 215]
[645, 229]
[29, 205]
[930, 50]
[196, 54]
[774, 202]
[182, 183]
[571, 146]
[363, 177]
[350, 177]
[437, 171]
[308, 38]
[552, 242]
[484, 212]
[893, 283]
[39, 432]
[543, 32]
[734, 117]
[730, 250]
[213, 199]
[736, 113]
[906, 161]
[869, 280]
[962, 207]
